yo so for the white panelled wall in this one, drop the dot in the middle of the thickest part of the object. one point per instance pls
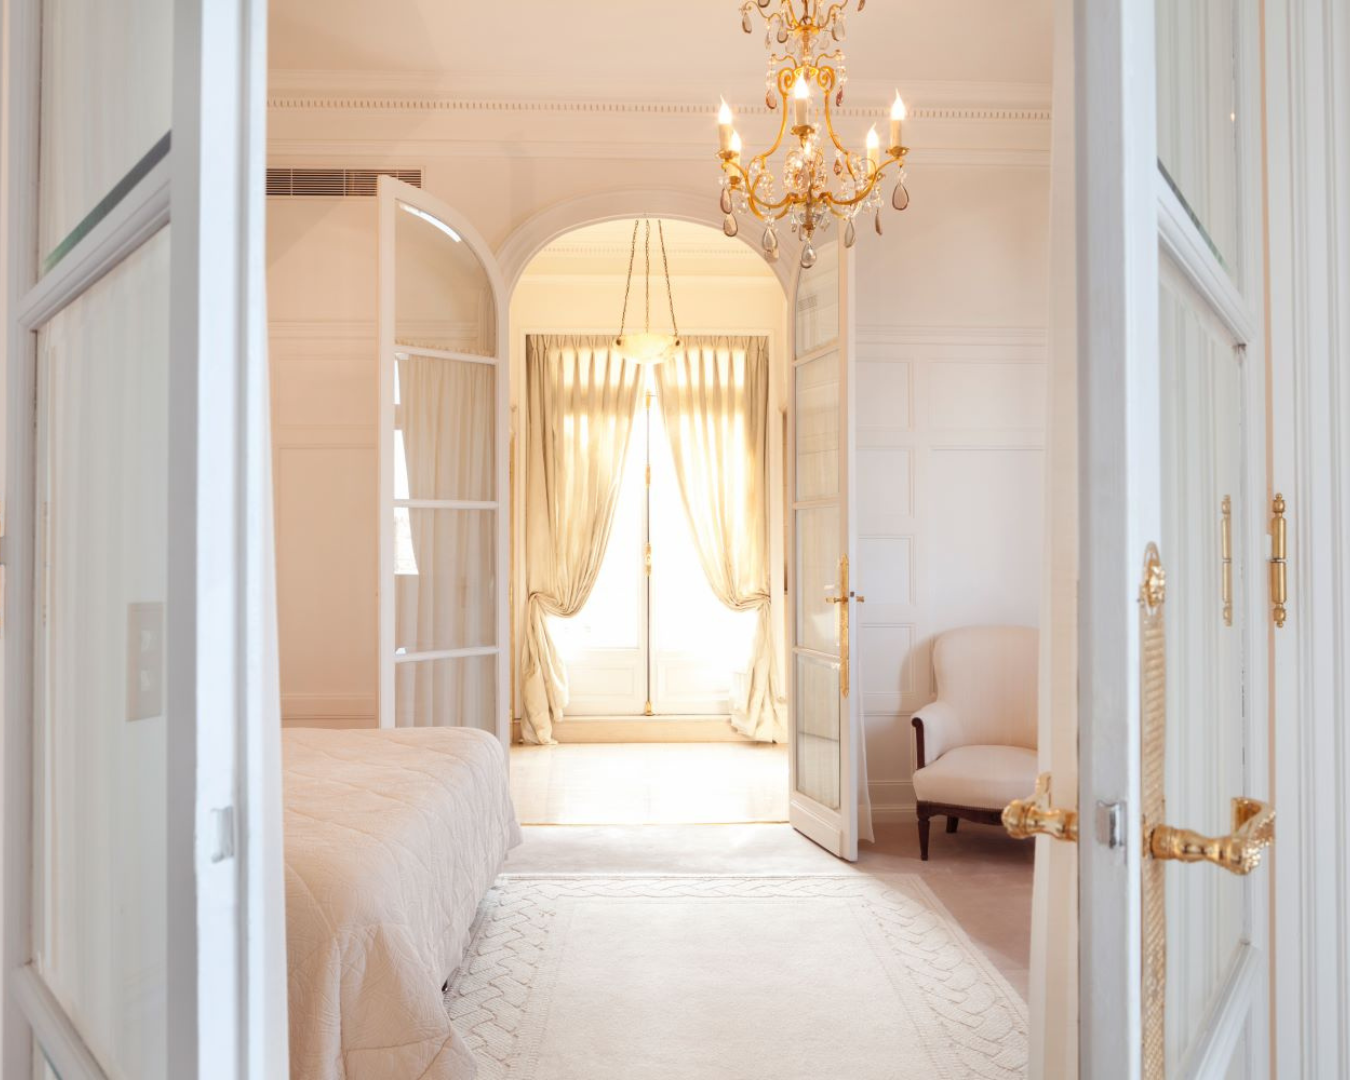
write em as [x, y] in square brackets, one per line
[951, 347]
[951, 432]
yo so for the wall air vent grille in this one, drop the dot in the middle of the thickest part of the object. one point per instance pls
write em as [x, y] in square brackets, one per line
[333, 183]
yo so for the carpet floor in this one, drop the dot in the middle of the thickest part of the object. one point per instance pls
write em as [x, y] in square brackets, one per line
[817, 977]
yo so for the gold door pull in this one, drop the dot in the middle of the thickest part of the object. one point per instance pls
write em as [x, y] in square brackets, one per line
[1024, 818]
[1240, 851]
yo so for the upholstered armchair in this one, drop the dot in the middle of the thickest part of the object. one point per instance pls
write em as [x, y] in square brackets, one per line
[976, 744]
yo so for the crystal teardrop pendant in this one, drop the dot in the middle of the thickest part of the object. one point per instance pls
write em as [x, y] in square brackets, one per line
[770, 240]
[770, 100]
[862, 4]
[729, 225]
[808, 256]
[782, 35]
[839, 97]
[726, 200]
[850, 234]
[900, 197]
[746, 24]
[877, 222]
[840, 30]
[765, 3]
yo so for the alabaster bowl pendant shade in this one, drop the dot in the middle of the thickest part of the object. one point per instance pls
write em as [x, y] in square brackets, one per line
[647, 347]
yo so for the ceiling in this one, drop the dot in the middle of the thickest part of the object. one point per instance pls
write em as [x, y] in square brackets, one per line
[651, 50]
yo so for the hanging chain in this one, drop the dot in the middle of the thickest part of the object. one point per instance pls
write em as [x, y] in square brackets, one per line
[647, 259]
[647, 256]
[632, 253]
[665, 266]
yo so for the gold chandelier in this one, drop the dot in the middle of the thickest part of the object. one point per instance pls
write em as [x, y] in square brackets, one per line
[813, 188]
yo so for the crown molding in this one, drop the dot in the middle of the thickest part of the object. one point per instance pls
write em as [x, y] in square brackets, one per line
[432, 92]
[415, 153]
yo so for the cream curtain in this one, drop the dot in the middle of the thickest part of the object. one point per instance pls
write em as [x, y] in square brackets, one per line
[714, 396]
[444, 577]
[582, 402]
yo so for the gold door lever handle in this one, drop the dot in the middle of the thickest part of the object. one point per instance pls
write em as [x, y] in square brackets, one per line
[1240, 851]
[1024, 818]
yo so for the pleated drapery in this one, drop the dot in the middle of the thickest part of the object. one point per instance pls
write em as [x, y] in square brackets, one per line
[714, 395]
[581, 406]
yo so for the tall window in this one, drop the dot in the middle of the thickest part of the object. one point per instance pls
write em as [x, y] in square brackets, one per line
[658, 642]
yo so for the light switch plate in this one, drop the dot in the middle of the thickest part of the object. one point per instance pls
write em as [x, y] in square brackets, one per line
[145, 660]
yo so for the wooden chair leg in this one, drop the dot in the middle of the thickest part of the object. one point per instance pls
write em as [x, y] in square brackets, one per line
[951, 824]
[923, 834]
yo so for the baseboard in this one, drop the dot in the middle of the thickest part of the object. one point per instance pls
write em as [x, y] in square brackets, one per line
[653, 729]
[893, 815]
[329, 710]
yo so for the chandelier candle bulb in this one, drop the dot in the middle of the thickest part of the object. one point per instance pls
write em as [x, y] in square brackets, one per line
[897, 116]
[873, 149]
[725, 131]
[801, 102]
[735, 146]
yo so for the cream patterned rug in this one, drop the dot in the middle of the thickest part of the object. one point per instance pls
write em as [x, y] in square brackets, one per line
[730, 978]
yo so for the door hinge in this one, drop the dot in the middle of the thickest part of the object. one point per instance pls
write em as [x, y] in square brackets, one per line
[647, 559]
[649, 476]
[1279, 551]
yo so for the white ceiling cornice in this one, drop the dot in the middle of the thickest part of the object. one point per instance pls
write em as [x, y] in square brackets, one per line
[413, 92]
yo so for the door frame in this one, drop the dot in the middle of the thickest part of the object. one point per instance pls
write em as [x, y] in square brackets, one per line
[1307, 112]
[225, 975]
[390, 192]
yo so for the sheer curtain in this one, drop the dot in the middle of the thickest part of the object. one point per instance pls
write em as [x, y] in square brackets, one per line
[714, 397]
[444, 587]
[582, 403]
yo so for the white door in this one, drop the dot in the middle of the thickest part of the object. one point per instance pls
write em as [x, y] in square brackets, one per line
[1174, 616]
[444, 430]
[824, 717]
[143, 912]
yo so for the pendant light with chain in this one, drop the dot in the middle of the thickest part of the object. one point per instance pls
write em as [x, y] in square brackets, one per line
[647, 347]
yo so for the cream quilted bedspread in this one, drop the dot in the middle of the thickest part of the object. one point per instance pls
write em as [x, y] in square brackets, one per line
[392, 839]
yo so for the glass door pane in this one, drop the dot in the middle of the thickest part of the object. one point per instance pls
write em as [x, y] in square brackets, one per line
[99, 876]
[443, 541]
[106, 101]
[1198, 118]
[1204, 505]
[822, 714]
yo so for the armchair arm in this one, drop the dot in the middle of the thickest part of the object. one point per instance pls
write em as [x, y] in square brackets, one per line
[937, 728]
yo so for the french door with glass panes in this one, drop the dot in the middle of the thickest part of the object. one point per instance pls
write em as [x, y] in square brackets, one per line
[443, 503]
[143, 911]
[824, 714]
[1175, 613]
[652, 638]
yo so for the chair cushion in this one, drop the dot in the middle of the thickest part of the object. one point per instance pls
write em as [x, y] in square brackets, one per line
[978, 776]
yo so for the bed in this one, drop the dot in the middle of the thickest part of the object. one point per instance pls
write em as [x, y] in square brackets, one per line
[392, 839]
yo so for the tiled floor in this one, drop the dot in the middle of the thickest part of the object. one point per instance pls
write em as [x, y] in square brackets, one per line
[982, 876]
[649, 783]
[684, 808]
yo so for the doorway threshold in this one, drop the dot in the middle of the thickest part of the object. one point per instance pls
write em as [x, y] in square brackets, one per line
[642, 729]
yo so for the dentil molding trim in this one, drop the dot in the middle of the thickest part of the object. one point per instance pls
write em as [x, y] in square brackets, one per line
[431, 92]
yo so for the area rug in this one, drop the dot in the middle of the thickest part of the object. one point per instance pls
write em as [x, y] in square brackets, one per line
[730, 978]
